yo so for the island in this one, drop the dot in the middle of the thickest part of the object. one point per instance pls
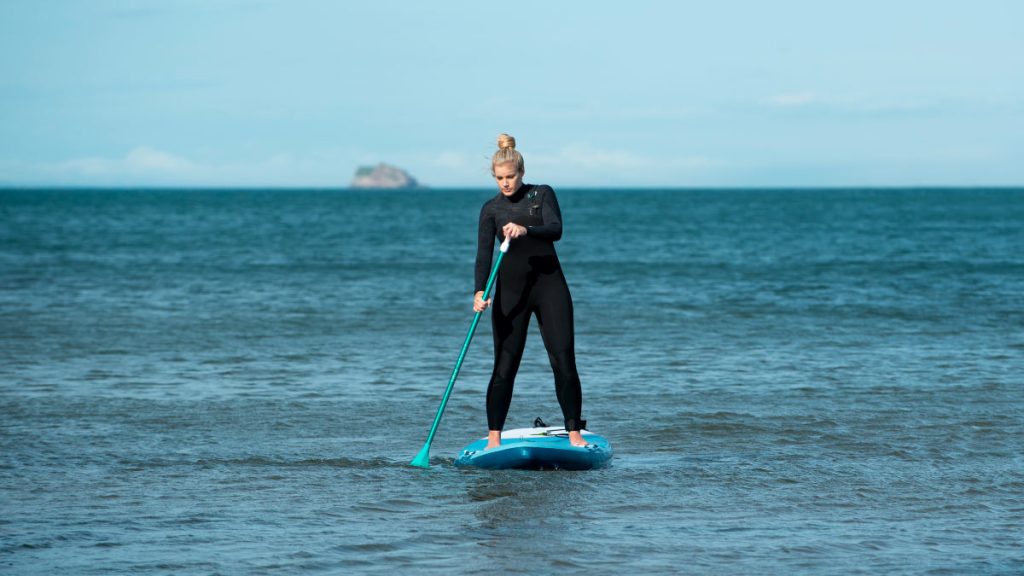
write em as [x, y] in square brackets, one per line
[383, 176]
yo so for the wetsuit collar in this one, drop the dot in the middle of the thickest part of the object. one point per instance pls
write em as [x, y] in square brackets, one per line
[518, 195]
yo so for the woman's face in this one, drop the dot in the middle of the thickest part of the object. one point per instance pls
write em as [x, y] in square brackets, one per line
[508, 177]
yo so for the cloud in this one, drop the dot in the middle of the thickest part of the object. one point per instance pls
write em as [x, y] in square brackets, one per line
[145, 165]
[577, 164]
[793, 99]
[853, 105]
[143, 161]
[453, 160]
[583, 164]
[584, 156]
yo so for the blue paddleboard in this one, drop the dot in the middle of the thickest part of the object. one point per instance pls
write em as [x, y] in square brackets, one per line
[545, 448]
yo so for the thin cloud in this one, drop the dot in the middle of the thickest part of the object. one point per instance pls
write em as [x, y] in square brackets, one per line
[583, 164]
[794, 99]
[145, 165]
[587, 157]
[142, 161]
[453, 160]
[849, 105]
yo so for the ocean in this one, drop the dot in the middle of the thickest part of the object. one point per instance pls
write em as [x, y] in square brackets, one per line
[234, 382]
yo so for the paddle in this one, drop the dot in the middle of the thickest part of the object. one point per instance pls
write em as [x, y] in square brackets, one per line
[423, 458]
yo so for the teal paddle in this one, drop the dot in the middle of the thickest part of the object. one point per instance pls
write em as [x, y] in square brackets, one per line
[423, 458]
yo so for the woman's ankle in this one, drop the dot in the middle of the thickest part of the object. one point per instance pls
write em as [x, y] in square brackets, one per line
[493, 438]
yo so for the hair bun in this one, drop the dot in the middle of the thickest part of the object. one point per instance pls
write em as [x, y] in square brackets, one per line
[506, 141]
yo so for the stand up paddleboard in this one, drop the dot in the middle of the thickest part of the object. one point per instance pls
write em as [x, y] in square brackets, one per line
[545, 448]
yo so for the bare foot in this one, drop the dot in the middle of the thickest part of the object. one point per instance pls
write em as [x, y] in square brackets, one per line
[576, 439]
[493, 439]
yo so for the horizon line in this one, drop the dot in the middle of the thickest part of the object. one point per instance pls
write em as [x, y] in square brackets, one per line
[427, 189]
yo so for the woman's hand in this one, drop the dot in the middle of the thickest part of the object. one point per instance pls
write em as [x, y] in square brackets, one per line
[479, 304]
[513, 231]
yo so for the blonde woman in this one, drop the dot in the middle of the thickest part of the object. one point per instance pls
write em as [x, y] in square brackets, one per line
[530, 283]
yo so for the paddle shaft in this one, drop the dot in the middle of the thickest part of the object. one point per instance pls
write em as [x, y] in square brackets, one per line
[423, 458]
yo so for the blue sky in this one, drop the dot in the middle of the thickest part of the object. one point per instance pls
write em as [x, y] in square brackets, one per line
[301, 92]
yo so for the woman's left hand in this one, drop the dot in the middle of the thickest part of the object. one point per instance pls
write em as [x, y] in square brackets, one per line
[513, 231]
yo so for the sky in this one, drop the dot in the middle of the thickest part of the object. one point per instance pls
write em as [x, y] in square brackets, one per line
[295, 93]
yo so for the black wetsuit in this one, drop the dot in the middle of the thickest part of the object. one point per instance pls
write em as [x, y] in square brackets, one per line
[530, 282]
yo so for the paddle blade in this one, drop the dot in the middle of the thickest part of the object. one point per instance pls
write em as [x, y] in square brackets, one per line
[422, 459]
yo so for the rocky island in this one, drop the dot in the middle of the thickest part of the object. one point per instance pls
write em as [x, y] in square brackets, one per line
[383, 176]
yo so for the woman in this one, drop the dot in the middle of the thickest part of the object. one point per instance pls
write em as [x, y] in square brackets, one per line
[530, 282]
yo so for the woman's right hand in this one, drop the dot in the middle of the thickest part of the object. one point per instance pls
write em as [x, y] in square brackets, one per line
[479, 304]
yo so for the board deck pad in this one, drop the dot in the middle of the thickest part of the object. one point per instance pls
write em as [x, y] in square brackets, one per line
[545, 448]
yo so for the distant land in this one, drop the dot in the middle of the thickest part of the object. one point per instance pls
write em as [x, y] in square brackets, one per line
[383, 176]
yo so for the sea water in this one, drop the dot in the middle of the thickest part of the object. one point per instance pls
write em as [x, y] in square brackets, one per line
[234, 382]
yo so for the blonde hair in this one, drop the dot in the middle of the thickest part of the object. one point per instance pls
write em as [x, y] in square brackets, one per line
[507, 153]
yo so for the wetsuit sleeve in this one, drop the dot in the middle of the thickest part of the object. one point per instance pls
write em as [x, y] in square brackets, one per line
[484, 249]
[552, 228]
